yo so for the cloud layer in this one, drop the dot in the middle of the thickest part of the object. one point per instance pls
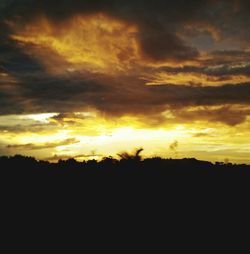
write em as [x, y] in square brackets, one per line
[119, 58]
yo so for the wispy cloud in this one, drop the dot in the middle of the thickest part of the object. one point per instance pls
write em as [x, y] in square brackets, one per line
[48, 145]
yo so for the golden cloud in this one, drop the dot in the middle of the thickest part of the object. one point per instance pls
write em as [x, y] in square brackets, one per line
[97, 42]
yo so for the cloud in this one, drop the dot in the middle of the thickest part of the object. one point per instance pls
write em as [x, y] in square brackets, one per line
[42, 79]
[48, 145]
[227, 18]
[225, 114]
[202, 135]
[21, 128]
[157, 34]
[69, 118]
[173, 146]
[158, 45]
[216, 69]
[113, 97]
[79, 156]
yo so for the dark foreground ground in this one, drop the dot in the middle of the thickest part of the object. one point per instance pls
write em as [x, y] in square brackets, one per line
[129, 193]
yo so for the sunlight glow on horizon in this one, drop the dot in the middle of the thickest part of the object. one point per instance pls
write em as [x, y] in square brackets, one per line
[109, 140]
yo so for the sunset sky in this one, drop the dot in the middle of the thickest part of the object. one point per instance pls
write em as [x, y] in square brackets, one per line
[87, 79]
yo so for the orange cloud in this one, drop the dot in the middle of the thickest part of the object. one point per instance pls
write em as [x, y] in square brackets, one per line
[194, 79]
[95, 42]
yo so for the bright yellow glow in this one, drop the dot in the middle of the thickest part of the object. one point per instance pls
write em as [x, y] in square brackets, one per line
[96, 137]
[40, 139]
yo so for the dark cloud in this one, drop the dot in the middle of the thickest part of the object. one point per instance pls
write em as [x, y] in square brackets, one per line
[218, 63]
[5, 3]
[21, 128]
[140, 10]
[160, 25]
[49, 145]
[158, 21]
[223, 114]
[231, 53]
[160, 45]
[37, 91]
[68, 118]
[173, 146]
[166, 17]
[219, 72]
[197, 96]
[202, 135]
[68, 157]
[40, 92]
[62, 116]
[226, 70]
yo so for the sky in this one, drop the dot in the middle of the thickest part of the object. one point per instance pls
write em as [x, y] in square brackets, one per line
[86, 79]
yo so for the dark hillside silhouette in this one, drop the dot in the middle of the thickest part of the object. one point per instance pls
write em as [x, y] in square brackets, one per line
[132, 165]
[128, 163]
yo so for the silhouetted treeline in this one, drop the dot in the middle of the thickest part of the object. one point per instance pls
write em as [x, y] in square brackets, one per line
[128, 180]
[133, 165]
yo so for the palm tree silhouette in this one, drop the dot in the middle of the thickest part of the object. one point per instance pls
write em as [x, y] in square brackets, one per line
[135, 156]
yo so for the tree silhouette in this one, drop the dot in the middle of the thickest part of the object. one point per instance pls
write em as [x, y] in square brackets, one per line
[21, 168]
[135, 156]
